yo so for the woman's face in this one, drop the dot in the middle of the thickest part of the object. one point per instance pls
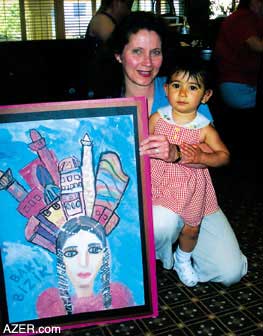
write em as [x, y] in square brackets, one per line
[141, 57]
[82, 255]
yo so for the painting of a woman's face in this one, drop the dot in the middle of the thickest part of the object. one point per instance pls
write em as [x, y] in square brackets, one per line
[82, 256]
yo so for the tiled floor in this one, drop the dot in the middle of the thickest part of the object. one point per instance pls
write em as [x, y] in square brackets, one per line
[211, 309]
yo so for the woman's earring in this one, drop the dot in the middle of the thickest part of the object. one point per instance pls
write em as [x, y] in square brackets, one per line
[118, 58]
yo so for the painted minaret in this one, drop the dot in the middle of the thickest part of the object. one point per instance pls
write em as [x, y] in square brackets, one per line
[38, 145]
[8, 182]
[30, 203]
[87, 174]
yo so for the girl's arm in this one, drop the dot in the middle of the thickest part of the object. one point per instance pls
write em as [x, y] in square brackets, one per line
[152, 121]
[158, 147]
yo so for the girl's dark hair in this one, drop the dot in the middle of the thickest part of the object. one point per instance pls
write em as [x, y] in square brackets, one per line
[134, 22]
[196, 68]
[70, 228]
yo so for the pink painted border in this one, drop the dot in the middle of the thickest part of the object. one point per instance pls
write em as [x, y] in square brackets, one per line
[142, 116]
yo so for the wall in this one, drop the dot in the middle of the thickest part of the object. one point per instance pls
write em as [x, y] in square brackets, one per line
[61, 70]
[36, 71]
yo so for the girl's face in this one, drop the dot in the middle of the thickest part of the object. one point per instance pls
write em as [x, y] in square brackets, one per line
[141, 57]
[82, 255]
[186, 93]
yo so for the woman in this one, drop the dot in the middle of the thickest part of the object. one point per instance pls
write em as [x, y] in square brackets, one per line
[82, 254]
[107, 17]
[141, 56]
[138, 47]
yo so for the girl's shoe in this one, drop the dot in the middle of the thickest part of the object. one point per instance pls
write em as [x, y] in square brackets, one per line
[185, 272]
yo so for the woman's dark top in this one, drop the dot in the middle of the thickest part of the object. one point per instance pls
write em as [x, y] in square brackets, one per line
[88, 35]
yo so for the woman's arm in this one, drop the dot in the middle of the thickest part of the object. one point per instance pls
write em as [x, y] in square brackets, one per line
[196, 156]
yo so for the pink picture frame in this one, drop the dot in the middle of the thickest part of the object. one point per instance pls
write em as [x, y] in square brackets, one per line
[77, 244]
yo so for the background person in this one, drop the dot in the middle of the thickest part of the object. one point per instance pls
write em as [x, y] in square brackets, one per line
[107, 17]
[238, 54]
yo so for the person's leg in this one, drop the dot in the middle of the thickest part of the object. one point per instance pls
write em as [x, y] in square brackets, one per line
[238, 96]
[188, 237]
[217, 256]
[183, 255]
[167, 227]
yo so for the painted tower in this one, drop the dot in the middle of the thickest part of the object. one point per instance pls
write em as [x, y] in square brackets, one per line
[38, 145]
[8, 183]
[87, 174]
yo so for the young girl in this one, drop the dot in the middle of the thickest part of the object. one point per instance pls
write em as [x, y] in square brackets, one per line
[183, 189]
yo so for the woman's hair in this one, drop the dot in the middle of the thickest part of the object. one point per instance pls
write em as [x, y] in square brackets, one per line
[195, 68]
[134, 22]
[70, 228]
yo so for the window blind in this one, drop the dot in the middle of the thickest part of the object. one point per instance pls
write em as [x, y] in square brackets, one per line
[173, 7]
[77, 15]
[10, 24]
[60, 19]
[40, 19]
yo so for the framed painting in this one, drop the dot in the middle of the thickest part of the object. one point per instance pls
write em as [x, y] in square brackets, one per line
[76, 232]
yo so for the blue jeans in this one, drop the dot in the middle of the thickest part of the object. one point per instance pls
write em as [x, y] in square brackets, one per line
[237, 95]
[216, 257]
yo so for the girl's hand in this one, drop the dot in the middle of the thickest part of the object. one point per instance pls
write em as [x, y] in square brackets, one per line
[192, 154]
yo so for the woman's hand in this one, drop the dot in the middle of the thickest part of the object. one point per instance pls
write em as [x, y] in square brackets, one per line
[158, 147]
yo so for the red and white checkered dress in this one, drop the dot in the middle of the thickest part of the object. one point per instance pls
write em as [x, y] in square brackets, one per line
[187, 191]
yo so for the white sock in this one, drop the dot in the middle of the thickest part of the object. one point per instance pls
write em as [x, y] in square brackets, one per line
[182, 256]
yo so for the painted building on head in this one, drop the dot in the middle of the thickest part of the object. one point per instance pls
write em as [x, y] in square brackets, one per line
[45, 155]
[80, 192]
[87, 171]
[71, 186]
